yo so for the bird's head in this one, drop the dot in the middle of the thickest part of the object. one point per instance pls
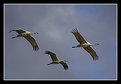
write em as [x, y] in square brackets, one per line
[65, 60]
[96, 44]
[36, 33]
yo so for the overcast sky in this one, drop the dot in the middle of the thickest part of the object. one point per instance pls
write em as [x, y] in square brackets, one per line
[96, 23]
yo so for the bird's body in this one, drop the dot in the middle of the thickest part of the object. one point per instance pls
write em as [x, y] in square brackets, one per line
[23, 34]
[86, 45]
[27, 36]
[55, 60]
[26, 33]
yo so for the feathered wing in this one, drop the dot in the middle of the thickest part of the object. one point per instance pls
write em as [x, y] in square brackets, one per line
[32, 42]
[78, 36]
[52, 55]
[91, 52]
[64, 65]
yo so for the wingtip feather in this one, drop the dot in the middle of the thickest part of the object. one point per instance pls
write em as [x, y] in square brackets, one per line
[66, 68]
[36, 48]
[74, 30]
[95, 58]
[47, 52]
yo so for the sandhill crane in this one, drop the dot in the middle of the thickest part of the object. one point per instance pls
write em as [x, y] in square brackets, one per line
[55, 60]
[27, 36]
[86, 45]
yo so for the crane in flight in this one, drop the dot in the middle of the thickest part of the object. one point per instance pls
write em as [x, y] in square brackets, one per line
[86, 45]
[27, 36]
[55, 60]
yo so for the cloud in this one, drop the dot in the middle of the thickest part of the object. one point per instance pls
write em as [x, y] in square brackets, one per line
[54, 24]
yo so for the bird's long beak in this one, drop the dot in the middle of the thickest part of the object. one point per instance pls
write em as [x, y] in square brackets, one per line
[96, 44]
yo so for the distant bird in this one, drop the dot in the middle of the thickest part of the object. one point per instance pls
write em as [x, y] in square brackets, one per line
[27, 36]
[86, 45]
[55, 60]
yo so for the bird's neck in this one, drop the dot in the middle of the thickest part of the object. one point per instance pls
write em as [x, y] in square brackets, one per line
[89, 44]
[32, 33]
[94, 44]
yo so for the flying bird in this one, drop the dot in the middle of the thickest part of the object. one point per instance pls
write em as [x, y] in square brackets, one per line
[86, 45]
[55, 60]
[27, 36]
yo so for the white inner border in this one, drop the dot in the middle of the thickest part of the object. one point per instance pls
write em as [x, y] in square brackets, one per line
[61, 79]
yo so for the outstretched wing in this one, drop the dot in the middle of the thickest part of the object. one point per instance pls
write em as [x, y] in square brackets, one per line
[19, 31]
[78, 36]
[64, 65]
[91, 52]
[32, 42]
[52, 55]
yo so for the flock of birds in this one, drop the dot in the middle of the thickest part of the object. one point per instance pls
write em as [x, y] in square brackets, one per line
[82, 43]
